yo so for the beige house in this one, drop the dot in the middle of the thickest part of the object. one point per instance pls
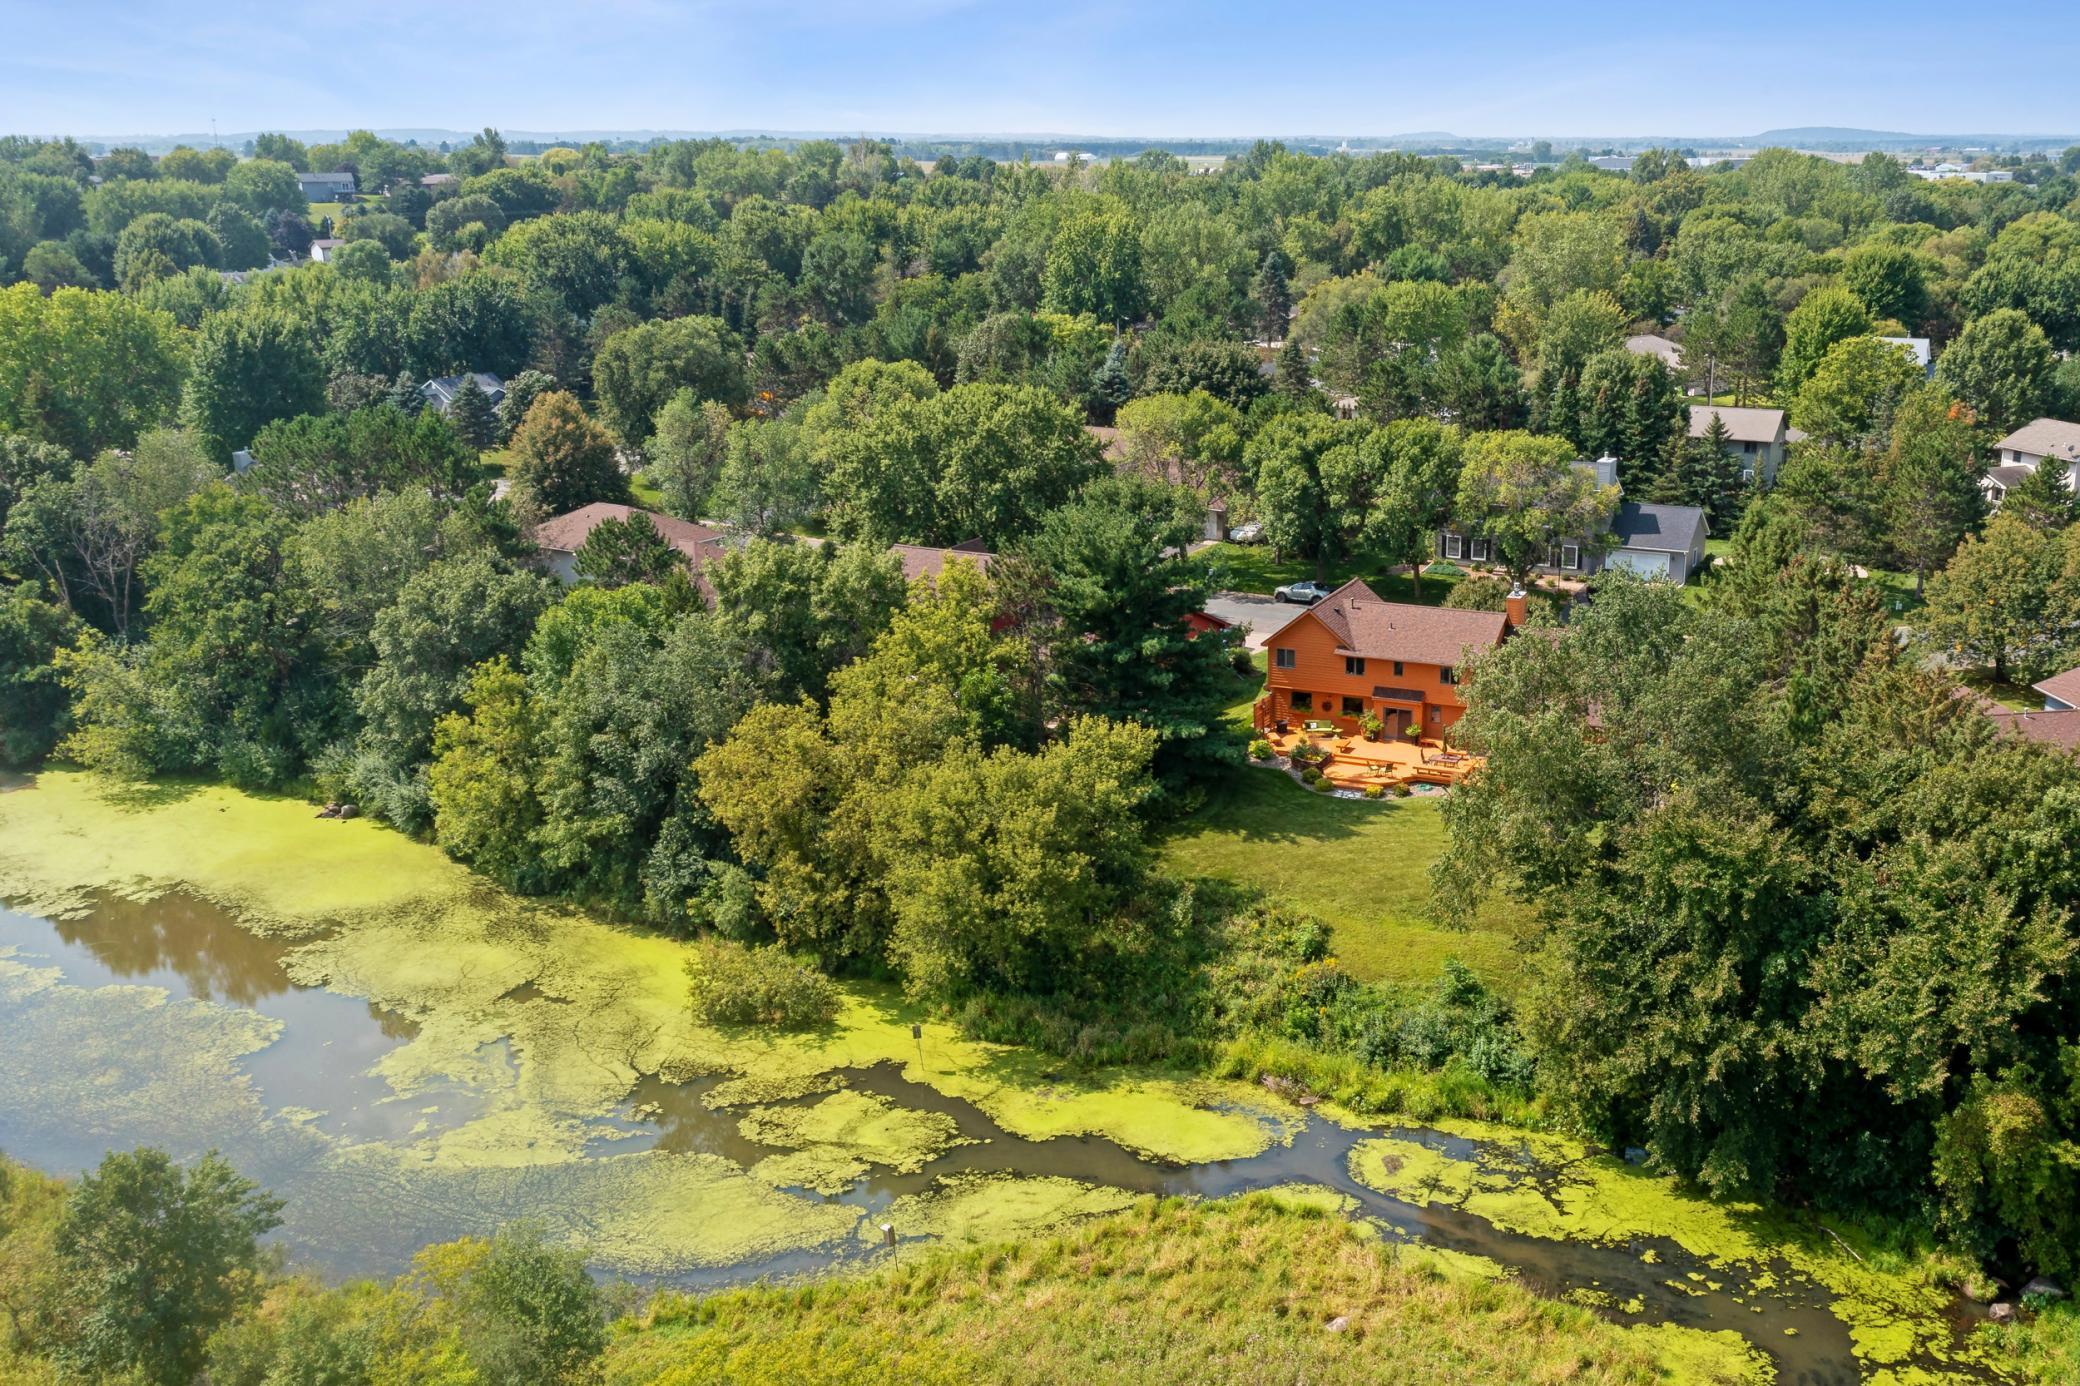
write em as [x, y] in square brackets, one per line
[1756, 436]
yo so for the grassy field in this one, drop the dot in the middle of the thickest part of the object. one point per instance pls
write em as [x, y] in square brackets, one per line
[1265, 1288]
[1361, 868]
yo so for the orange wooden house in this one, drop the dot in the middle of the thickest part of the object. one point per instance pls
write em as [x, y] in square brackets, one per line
[1352, 653]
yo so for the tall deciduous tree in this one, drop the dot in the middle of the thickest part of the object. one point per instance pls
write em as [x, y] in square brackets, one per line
[83, 369]
[250, 367]
[2002, 365]
[1989, 604]
[162, 1257]
[639, 369]
[1822, 318]
[561, 459]
[686, 452]
[1528, 495]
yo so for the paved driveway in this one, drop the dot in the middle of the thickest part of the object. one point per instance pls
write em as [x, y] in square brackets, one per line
[1258, 616]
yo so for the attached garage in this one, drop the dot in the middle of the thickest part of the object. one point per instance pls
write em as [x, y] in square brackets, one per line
[1645, 563]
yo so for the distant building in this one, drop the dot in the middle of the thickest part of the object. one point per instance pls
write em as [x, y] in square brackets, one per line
[923, 561]
[440, 394]
[1756, 436]
[1647, 344]
[327, 187]
[325, 247]
[559, 539]
[1924, 357]
[2020, 453]
[438, 180]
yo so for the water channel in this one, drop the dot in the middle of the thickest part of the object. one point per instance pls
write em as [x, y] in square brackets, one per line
[316, 1083]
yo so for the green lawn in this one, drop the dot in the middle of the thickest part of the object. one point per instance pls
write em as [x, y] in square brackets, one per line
[1362, 868]
[2016, 697]
[1253, 568]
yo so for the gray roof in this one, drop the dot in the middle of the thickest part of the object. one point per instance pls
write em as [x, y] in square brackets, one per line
[1651, 344]
[440, 392]
[2045, 438]
[1742, 425]
[2008, 474]
[1663, 528]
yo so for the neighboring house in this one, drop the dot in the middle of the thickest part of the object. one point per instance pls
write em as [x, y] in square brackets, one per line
[2061, 691]
[2000, 480]
[2018, 454]
[1647, 344]
[1756, 436]
[327, 187]
[1924, 356]
[325, 247]
[2060, 729]
[922, 561]
[559, 539]
[440, 394]
[1656, 540]
[438, 180]
[1205, 623]
[1651, 540]
[1351, 654]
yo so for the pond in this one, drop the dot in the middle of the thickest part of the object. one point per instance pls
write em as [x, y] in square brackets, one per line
[319, 1074]
[400, 1083]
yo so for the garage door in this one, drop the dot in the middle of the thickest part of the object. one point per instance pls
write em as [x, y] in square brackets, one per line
[1645, 564]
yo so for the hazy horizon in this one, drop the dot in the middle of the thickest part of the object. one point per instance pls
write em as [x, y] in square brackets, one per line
[101, 68]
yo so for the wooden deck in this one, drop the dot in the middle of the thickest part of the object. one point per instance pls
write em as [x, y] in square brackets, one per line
[1355, 763]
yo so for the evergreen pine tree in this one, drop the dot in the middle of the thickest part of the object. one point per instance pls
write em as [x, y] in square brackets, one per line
[1295, 373]
[2043, 499]
[1668, 479]
[404, 393]
[1272, 292]
[1714, 477]
[1110, 387]
[473, 416]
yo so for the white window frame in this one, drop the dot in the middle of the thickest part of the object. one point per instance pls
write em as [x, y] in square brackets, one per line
[1570, 558]
[1477, 551]
[1454, 546]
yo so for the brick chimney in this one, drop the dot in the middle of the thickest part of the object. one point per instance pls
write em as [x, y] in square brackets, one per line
[1515, 607]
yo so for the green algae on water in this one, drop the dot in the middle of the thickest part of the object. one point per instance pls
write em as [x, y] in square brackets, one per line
[544, 1017]
[999, 1207]
[1548, 1187]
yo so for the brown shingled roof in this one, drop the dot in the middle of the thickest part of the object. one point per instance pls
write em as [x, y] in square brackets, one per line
[1365, 625]
[2065, 687]
[919, 560]
[567, 533]
[2060, 729]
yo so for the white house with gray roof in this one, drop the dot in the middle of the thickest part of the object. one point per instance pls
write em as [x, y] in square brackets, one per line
[1656, 541]
[2020, 453]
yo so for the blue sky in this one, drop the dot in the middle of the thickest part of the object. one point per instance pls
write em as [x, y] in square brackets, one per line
[95, 67]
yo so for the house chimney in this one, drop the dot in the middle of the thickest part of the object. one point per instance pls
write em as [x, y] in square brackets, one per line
[1515, 607]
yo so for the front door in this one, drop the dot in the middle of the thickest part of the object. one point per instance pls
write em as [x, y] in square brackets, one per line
[1396, 720]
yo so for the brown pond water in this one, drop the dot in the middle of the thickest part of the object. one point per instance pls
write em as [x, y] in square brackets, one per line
[322, 1058]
